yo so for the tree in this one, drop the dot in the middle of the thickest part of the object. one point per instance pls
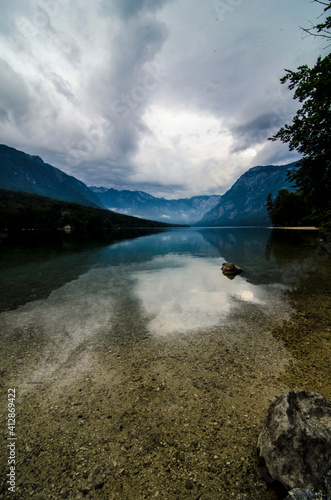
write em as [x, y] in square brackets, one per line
[288, 208]
[310, 131]
[322, 29]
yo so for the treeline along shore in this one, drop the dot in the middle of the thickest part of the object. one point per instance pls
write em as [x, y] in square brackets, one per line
[25, 211]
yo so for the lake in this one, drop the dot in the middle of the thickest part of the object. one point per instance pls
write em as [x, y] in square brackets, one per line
[142, 371]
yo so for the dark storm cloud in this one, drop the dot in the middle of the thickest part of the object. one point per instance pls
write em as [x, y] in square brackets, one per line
[62, 87]
[125, 84]
[255, 131]
[117, 90]
[112, 173]
[4, 115]
[14, 94]
[276, 154]
[231, 68]
[128, 9]
[119, 180]
[156, 94]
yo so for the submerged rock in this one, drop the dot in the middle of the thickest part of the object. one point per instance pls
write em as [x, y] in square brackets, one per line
[296, 443]
[300, 494]
[230, 270]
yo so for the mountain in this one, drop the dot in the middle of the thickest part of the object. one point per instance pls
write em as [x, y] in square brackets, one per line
[141, 204]
[19, 210]
[22, 172]
[244, 204]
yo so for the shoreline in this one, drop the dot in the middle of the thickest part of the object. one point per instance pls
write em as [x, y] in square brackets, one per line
[303, 228]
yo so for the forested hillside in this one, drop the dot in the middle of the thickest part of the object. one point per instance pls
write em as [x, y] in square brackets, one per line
[29, 211]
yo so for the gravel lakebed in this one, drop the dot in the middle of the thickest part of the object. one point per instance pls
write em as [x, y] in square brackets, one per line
[129, 415]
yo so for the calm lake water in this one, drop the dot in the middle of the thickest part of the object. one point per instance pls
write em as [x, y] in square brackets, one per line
[88, 329]
[174, 274]
[156, 285]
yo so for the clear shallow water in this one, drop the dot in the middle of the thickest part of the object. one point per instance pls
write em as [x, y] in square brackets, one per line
[174, 277]
[144, 351]
[157, 285]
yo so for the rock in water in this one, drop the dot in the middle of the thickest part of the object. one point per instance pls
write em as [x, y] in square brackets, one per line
[296, 442]
[231, 270]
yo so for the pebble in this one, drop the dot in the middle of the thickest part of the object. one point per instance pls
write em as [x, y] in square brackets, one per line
[188, 484]
[98, 486]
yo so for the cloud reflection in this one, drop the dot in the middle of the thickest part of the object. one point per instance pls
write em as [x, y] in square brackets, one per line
[189, 293]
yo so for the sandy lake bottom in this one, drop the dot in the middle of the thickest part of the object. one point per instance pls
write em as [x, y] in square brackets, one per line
[153, 379]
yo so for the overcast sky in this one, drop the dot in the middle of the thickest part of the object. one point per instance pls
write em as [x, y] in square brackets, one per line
[173, 97]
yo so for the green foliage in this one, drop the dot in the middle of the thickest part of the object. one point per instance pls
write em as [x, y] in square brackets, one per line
[20, 210]
[310, 131]
[288, 209]
[325, 222]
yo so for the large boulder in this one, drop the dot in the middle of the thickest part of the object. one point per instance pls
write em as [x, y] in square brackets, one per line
[296, 442]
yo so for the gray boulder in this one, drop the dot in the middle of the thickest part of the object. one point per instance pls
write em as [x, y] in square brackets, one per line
[296, 443]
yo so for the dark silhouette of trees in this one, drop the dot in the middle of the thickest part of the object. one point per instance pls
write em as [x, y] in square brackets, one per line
[19, 210]
[310, 133]
[288, 209]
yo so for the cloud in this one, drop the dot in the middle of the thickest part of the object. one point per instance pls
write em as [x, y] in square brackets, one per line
[275, 154]
[129, 9]
[168, 97]
[255, 131]
[123, 86]
[61, 85]
[14, 95]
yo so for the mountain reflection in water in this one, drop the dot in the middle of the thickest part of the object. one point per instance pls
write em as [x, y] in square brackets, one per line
[173, 277]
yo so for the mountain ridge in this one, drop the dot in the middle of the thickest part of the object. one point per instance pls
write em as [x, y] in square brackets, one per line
[142, 204]
[20, 171]
[244, 204]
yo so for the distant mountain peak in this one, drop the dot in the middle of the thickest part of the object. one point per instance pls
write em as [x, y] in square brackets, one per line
[37, 159]
[142, 204]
